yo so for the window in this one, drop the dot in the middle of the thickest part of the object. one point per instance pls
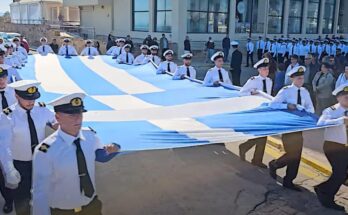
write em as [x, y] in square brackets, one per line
[163, 17]
[207, 16]
[244, 8]
[275, 16]
[140, 15]
[329, 12]
[343, 18]
[313, 16]
[295, 16]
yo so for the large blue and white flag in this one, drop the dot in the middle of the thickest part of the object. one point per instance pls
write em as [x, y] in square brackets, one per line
[140, 110]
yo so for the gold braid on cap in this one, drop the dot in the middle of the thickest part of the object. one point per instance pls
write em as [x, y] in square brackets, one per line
[32, 90]
[76, 102]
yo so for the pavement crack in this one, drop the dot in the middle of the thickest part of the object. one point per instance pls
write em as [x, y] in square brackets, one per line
[266, 195]
[237, 196]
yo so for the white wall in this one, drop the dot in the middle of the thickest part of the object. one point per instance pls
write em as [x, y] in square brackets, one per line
[98, 17]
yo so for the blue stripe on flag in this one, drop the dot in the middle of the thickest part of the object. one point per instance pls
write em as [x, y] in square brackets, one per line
[86, 79]
[140, 135]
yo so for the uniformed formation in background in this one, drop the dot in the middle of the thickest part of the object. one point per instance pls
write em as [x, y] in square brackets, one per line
[32, 168]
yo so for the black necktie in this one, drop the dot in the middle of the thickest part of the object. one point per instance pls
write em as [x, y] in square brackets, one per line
[220, 76]
[264, 85]
[43, 48]
[66, 50]
[86, 184]
[168, 67]
[346, 113]
[3, 100]
[127, 58]
[89, 51]
[293, 50]
[321, 75]
[120, 51]
[188, 72]
[153, 58]
[33, 135]
[299, 99]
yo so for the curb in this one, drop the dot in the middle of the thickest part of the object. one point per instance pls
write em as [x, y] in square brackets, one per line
[326, 170]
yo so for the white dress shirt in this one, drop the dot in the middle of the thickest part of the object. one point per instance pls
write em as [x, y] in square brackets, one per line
[18, 127]
[117, 51]
[256, 83]
[9, 95]
[13, 75]
[109, 52]
[22, 52]
[71, 50]
[13, 61]
[89, 51]
[123, 58]
[56, 181]
[140, 59]
[154, 58]
[213, 75]
[182, 70]
[334, 116]
[288, 95]
[163, 67]
[44, 49]
[342, 79]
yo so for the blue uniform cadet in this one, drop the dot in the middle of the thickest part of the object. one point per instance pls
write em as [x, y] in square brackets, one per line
[64, 163]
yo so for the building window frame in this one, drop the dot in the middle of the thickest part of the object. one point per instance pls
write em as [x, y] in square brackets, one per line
[207, 12]
[155, 17]
[314, 17]
[139, 11]
[297, 17]
[333, 19]
[282, 19]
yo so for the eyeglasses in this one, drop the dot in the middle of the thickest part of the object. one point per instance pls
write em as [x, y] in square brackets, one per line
[308, 58]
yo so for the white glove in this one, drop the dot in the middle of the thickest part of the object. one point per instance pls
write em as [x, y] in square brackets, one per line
[12, 179]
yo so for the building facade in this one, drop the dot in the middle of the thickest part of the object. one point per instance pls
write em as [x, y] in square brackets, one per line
[200, 19]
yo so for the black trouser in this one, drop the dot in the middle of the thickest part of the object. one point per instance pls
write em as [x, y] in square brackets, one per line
[259, 54]
[236, 77]
[293, 144]
[337, 154]
[5, 192]
[260, 144]
[93, 208]
[280, 58]
[21, 194]
[251, 57]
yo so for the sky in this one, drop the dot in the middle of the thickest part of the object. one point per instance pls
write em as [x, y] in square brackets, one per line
[5, 5]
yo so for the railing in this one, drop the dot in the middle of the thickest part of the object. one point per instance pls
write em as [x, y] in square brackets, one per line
[44, 22]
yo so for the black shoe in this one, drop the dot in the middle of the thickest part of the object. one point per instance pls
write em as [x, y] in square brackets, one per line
[326, 202]
[259, 164]
[272, 169]
[335, 206]
[292, 186]
[242, 153]
[8, 208]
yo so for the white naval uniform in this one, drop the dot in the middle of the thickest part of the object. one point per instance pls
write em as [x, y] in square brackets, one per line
[123, 58]
[341, 80]
[154, 58]
[44, 49]
[213, 75]
[89, 51]
[163, 67]
[56, 182]
[256, 83]
[9, 95]
[117, 51]
[71, 50]
[287, 80]
[19, 134]
[22, 52]
[13, 75]
[288, 95]
[140, 59]
[334, 116]
[109, 52]
[13, 61]
[182, 70]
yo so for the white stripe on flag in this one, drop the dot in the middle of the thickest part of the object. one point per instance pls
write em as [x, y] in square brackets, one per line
[124, 102]
[52, 76]
[118, 77]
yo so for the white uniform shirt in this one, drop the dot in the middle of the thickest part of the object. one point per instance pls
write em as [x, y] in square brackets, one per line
[19, 136]
[182, 70]
[56, 182]
[333, 50]
[320, 50]
[282, 49]
[213, 75]
[140, 59]
[341, 80]
[44, 49]
[13, 75]
[71, 50]
[288, 95]
[117, 51]
[256, 83]
[250, 47]
[327, 49]
[123, 58]
[334, 116]
[10, 97]
[89, 51]
[22, 52]
[13, 61]
[302, 50]
[164, 67]
[109, 52]
[154, 58]
[267, 46]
